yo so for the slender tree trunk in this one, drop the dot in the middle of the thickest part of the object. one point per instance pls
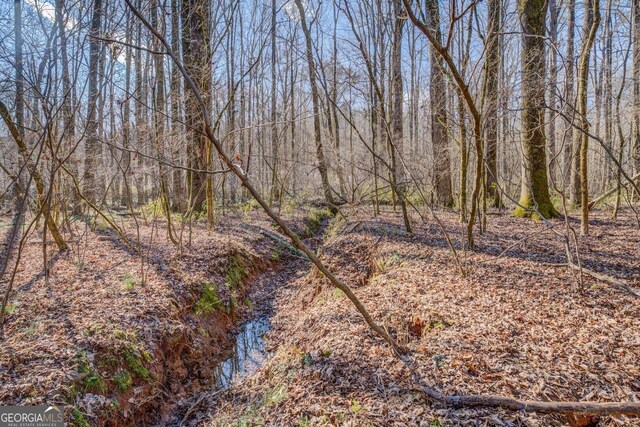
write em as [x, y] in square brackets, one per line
[636, 86]
[592, 21]
[397, 149]
[177, 177]
[569, 106]
[92, 143]
[273, 195]
[438, 97]
[492, 73]
[553, 81]
[315, 98]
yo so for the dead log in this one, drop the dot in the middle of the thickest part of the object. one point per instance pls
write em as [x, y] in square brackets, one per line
[608, 193]
[592, 408]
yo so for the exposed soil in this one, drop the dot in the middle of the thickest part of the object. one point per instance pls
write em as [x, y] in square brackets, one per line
[516, 326]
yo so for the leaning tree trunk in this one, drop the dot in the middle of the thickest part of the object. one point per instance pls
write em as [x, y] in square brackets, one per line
[534, 195]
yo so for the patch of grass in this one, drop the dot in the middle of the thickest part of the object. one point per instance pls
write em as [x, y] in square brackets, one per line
[355, 406]
[123, 379]
[335, 227]
[10, 308]
[338, 293]
[78, 418]
[128, 336]
[315, 218]
[250, 205]
[275, 395]
[129, 281]
[209, 300]
[135, 361]
[93, 381]
[276, 254]
[238, 271]
[153, 207]
[325, 353]
[437, 324]
[248, 418]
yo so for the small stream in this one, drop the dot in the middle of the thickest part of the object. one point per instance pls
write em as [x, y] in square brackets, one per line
[247, 353]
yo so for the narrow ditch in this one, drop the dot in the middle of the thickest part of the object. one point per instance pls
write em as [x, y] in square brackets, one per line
[249, 346]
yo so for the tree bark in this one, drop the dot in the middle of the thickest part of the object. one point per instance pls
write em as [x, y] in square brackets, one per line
[592, 21]
[315, 98]
[438, 98]
[534, 194]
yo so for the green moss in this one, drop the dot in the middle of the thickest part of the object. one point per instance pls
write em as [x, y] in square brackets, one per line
[527, 209]
[129, 281]
[237, 271]
[276, 254]
[92, 381]
[78, 418]
[315, 217]
[209, 300]
[10, 308]
[123, 380]
[275, 395]
[134, 360]
[355, 406]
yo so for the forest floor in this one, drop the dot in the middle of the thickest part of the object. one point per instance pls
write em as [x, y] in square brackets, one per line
[119, 341]
[118, 350]
[515, 326]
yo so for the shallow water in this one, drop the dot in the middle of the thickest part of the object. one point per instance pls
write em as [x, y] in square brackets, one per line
[248, 353]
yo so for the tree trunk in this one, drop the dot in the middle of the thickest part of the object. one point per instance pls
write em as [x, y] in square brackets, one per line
[397, 148]
[636, 86]
[438, 97]
[92, 143]
[569, 108]
[592, 21]
[315, 98]
[195, 52]
[534, 194]
[492, 73]
[553, 81]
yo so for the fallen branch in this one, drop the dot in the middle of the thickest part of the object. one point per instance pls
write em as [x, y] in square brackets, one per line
[592, 408]
[599, 276]
[608, 193]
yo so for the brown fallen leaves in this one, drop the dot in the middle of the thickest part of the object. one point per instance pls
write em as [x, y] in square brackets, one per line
[515, 327]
